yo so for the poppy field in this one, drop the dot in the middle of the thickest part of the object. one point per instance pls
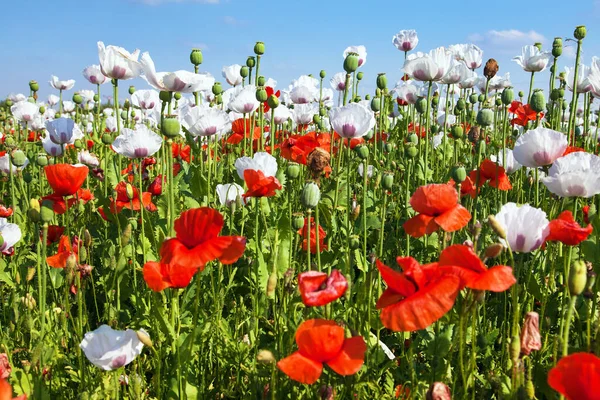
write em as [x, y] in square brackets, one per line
[436, 238]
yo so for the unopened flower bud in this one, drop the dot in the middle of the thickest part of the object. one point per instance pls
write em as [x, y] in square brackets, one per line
[322, 74]
[354, 242]
[493, 250]
[538, 45]
[71, 263]
[359, 76]
[508, 95]
[530, 334]
[381, 81]
[77, 98]
[496, 226]
[272, 284]
[144, 338]
[577, 277]
[387, 181]
[273, 101]
[298, 222]
[521, 94]
[126, 235]
[311, 194]
[515, 348]
[491, 68]
[265, 357]
[411, 150]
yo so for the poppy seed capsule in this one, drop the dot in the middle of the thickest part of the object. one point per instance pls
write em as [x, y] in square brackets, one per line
[421, 105]
[387, 181]
[538, 102]
[298, 222]
[196, 57]
[311, 194]
[261, 95]
[293, 171]
[491, 68]
[131, 89]
[170, 126]
[485, 117]
[362, 152]
[354, 242]
[413, 138]
[273, 101]
[577, 278]
[42, 160]
[322, 74]
[359, 76]
[557, 47]
[351, 63]
[376, 104]
[34, 86]
[457, 132]
[176, 95]
[316, 119]
[107, 139]
[458, 173]
[259, 48]
[47, 211]
[250, 62]
[261, 81]
[473, 98]
[555, 94]
[381, 81]
[217, 88]
[411, 151]
[496, 226]
[580, 32]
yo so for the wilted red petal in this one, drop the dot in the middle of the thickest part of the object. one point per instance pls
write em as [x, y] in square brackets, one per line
[301, 369]
[319, 339]
[351, 358]
[577, 377]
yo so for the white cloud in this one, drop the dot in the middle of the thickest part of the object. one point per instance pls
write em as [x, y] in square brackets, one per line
[506, 40]
[159, 2]
[229, 20]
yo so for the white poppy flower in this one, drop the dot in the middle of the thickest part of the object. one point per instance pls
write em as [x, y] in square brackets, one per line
[61, 85]
[232, 74]
[360, 50]
[302, 114]
[6, 166]
[94, 75]
[511, 166]
[25, 111]
[179, 81]
[574, 175]
[10, 233]
[87, 158]
[118, 63]
[245, 100]
[229, 193]
[111, 349]
[201, 121]
[405, 40]
[352, 120]
[146, 99]
[260, 162]
[539, 147]
[526, 227]
[63, 131]
[532, 59]
[429, 67]
[139, 143]
[338, 81]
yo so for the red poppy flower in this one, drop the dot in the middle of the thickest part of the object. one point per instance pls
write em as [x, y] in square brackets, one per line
[437, 205]
[59, 260]
[241, 127]
[297, 147]
[416, 297]
[322, 341]
[59, 204]
[159, 276]
[492, 172]
[317, 289]
[54, 234]
[182, 151]
[122, 201]
[313, 236]
[66, 179]
[270, 91]
[566, 230]
[523, 113]
[416, 128]
[155, 188]
[353, 142]
[462, 261]
[572, 149]
[260, 185]
[586, 214]
[5, 212]
[577, 377]
[6, 392]
[198, 242]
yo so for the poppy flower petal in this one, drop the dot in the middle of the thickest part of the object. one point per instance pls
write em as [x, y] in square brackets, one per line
[351, 358]
[396, 280]
[319, 339]
[154, 277]
[66, 179]
[301, 369]
[227, 249]
[495, 279]
[424, 307]
[310, 284]
[454, 219]
[58, 260]
[434, 199]
[577, 376]
[198, 225]
[420, 225]
[566, 230]
[462, 256]
[387, 298]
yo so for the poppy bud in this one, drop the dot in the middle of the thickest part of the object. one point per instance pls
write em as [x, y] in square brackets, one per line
[387, 181]
[461, 104]
[362, 152]
[564, 105]
[298, 222]
[457, 132]
[28, 301]
[170, 126]
[434, 129]
[129, 191]
[259, 48]
[530, 389]
[273, 101]
[388, 147]
[496, 226]
[458, 174]
[413, 138]
[311, 194]
[491, 68]
[8, 102]
[375, 104]
[322, 111]
[485, 117]
[367, 96]
[87, 238]
[18, 158]
[322, 74]
[47, 211]
[555, 94]
[530, 334]
[577, 278]
[359, 76]
[521, 94]
[265, 357]
[196, 57]
[272, 284]
[351, 63]
[438, 391]
[217, 89]
[355, 212]
[42, 109]
[261, 95]
[557, 47]
[77, 98]
[481, 146]
[34, 211]
[473, 98]
[42, 160]
[538, 102]
[261, 81]
[493, 250]
[293, 171]
[381, 81]
[144, 338]
[250, 62]
[580, 32]
[435, 100]
[411, 151]
[515, 349]
[481, 98]
[354, 242]
[421, 105]
[96, 98]
[34, 86]
[126, 235]
[107, 139]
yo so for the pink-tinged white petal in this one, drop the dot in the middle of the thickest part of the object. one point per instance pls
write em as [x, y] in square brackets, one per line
[574, 175]
[526, 227]
[539, 147]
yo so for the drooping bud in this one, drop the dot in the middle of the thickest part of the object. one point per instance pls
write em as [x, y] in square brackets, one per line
[491, 68]
[311, 194]
[170, 126]
[577, 277]
[144, 338]
[580, 32]
[351, 63]
[496, 226]
[34, 211]
[515, 348]
[259, 48]
[129, 191]
[530, 334]
[196, 57]
[126, 235]
[457, 132]
[438, 391]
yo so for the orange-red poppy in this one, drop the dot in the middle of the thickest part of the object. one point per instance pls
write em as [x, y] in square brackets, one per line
[5, 212]
[66, 179]
[462, 261]
[297, 147]
[6, 392]
[572, 149]
[523, 113]
[566, 230]
[416, 297]
[182, 151]
[159, 276]
[260, 185]
[318, 289]
[576, 376]
[241, 127]
[323, 342]
[438, 207]
[313, 236]
[122, 200]
[493, 173]
[65, 250]
[198, 242]
[59, 204]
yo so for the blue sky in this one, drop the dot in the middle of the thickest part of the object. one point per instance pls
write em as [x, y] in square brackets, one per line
[42, 38]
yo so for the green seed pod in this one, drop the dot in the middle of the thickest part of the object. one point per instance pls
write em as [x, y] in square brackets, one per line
[413, 138]
[131, 90]
[481, 147]
[538, 102]
[77, 98]
[367, 96]
[196, 57]
[273, 101]
[457, 131]
[555, 94]
[421, 105]
[259, 48]
[244, 71]
[82, 254]
[170, 126]
[316, 119]
[461, 104]
[322, 74]
[176, 95]
[27, 177]
[8, 102]
[18, 158]
[381, 81]
[123, 114]
[42, 110]
[107, 139]
[485, 117]
[293, 171]
[411, 151]
[538, 45]
[261, 81]
[369, 135]
[473, 98]
[530, 389]
[351, 63]
[521, 94]
[434, 129]
[354, 242]
[580, 32]
[557, 47]
[480, 98]
[250, 62]
[515, 348]
[311, 194]
[362, 152]
[31, 99]
[42, 160]
[375, 104]
[359, 76]
[322, 111]
[261, 95]
[458, 173]
[577, 277]
[34, 86]
[47, 211]
[435, 100]
[96, 98]
[298, 222]
[388, 147]
[387, 181]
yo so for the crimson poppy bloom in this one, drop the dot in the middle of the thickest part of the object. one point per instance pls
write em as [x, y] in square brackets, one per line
[523, 113]
[182, 151]
[5, 212]
[566, 230]
[155, 188]
[437, 205]
[576, 376]
[462, 261]
[270, 91]
[59, 260]
[260, 185]
[59, 204]
[54, 234]
[198, 242]
[318, 289]
[323, 341]
[159, 276]
[416, 297]
[492, 172]
[243, 127]
[313, 236]
[297, 147]
[586, 214]
[66, 179]
[122, 200]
